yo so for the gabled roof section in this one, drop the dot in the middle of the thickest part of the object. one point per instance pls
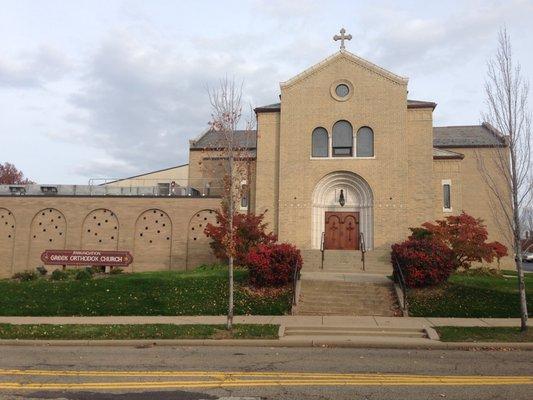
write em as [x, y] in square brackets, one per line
[442, 154]
[421, 104]
[343, 54]
[244, 139]
[483, 135]
[276, 107]
[144, 174]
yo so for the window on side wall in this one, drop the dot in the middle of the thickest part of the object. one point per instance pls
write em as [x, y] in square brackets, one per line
[447, 195]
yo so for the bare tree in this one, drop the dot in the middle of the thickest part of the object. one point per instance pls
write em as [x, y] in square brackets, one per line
[507, 170]
[230, 151]
[527, 219]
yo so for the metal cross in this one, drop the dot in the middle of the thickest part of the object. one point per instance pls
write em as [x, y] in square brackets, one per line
[342, 37]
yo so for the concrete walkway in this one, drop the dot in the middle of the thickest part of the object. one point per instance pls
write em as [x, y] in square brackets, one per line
[286, 320]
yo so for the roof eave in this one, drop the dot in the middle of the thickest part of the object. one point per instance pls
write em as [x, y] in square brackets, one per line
[429, 105]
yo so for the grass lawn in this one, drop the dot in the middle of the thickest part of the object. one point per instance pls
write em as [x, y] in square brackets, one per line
[148, 331]
[471, 296]
[483, 334]
[199, 292]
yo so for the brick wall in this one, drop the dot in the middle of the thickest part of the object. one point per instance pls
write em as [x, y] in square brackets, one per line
[161, 233]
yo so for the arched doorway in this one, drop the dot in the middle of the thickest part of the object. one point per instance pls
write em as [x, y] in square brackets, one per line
[343, 195]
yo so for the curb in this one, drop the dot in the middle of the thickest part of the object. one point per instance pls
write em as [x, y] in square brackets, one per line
[430, 345]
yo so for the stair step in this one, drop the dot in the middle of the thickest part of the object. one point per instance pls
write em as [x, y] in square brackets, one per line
[332, 331]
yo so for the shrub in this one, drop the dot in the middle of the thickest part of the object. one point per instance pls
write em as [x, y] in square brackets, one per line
[58, 275]
[97, 269]
[41, 270]
[466, 237]
[116, 271]
[273, 264]
[424, 262]
[249, 231]
[83, 274]
[25, 276]
[482, 271]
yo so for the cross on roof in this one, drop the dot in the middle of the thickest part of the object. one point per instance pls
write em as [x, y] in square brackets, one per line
[342, 37]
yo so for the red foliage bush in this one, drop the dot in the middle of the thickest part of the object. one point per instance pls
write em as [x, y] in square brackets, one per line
[249, 231]
[467, 237]
[424, 262]
[273, 264]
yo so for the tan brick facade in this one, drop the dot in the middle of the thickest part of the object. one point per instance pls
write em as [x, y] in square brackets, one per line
[404, 177]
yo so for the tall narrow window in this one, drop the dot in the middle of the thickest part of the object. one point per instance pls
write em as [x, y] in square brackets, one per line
[342, 139]
[320, 143]
[447, 195]
[365, 142]
[244, 195]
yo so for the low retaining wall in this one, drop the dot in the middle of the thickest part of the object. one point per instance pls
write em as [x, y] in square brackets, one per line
[161, 233]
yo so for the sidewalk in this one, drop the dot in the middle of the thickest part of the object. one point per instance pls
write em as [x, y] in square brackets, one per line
[286, 320]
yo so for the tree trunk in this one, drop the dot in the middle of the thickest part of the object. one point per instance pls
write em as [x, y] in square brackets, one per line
[231, 244]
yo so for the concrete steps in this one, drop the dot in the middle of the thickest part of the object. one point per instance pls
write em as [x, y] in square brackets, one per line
[347, 332]
[339, 297]
[376, 261]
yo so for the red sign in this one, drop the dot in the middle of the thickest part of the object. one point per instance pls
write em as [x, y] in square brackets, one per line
[87, 257]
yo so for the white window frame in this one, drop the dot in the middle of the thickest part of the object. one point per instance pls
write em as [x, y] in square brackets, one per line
[447, 182]
[244, 182]
[354, 148]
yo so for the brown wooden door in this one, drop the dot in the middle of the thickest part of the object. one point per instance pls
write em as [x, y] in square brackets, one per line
[341, 231]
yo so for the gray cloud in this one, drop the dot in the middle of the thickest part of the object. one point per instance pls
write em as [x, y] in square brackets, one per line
[34, 69]
[141, 102]
[433, 43]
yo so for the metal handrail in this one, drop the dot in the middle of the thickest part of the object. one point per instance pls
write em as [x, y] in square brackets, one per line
[322, 249]
[295, 279]
[363, 248]
[399, 278]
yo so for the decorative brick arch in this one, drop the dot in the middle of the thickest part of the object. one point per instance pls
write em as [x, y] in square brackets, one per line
[7, 242]
[198, 248]
[48, 231]
[100, 230]
[152, 241]
[358, 198]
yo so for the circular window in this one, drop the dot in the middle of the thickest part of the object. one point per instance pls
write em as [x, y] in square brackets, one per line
[342, 90]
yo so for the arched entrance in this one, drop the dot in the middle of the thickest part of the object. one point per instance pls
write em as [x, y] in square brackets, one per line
[343, 196]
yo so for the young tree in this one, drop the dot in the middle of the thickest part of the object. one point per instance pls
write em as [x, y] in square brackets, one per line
[10, 175]
[233, 153]
[508, 169]
[466, 237]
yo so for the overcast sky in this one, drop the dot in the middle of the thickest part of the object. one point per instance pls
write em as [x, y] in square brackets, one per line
[112, 88]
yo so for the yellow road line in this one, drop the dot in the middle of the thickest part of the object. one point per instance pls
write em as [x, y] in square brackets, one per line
[221, 374]
[221, 379]
[204, 384]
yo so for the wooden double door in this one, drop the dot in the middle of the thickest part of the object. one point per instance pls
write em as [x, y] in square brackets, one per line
[341, 231]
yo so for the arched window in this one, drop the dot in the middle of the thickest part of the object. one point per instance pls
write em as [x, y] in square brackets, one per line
[320, 142]
[365, 142]
[342, 140]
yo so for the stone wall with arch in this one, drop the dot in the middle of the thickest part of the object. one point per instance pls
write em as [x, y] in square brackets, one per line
[153, 245]
[358, 197]
[48, 231]
[100, 230]
[197, 241]
[7, 241]
[155, 230]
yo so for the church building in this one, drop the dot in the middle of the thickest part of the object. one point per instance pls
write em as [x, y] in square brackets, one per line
[346, 160]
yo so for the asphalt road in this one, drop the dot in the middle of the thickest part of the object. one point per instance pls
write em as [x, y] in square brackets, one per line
[194, 373]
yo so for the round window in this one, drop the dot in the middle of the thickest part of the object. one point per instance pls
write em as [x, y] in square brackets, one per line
[342, 90]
